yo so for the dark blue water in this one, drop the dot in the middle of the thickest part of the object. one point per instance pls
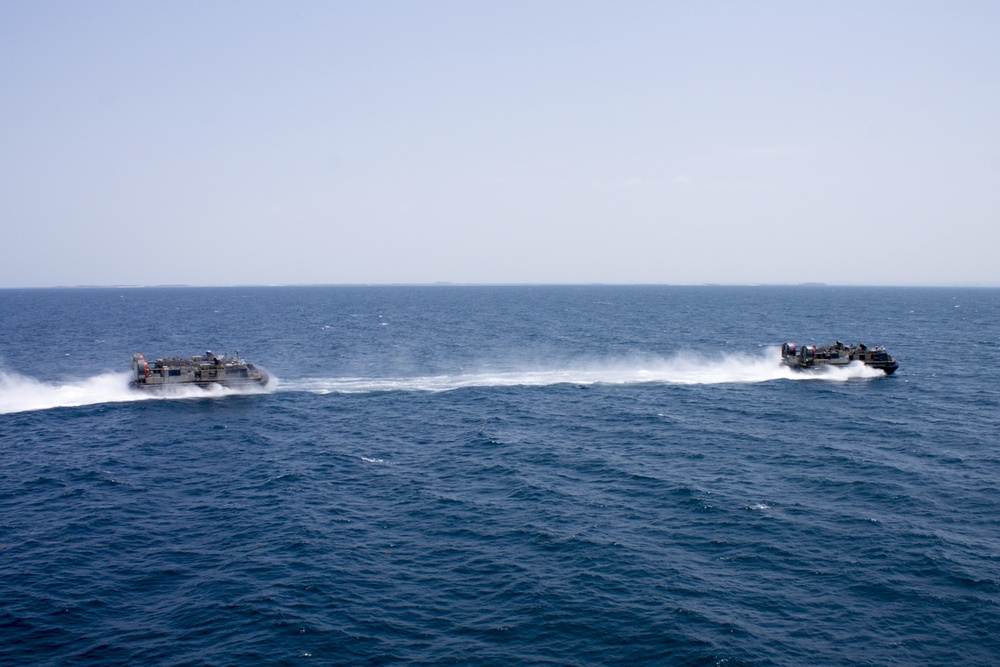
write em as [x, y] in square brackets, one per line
[501, 475]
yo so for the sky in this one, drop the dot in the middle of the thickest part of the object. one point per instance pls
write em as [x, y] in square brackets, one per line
[255, 143]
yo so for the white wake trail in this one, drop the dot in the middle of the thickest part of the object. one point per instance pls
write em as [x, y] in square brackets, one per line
[20, 393]
[685, 369]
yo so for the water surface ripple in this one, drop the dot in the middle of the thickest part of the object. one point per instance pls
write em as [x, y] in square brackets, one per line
[501, 475]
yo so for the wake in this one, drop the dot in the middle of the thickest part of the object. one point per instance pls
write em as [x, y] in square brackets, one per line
[20, 393]
[683, 369]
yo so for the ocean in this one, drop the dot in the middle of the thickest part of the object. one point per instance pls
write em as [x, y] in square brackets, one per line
[501, 475]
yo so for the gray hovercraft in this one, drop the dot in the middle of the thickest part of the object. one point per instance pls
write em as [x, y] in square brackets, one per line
[200, 371]
[838, 354]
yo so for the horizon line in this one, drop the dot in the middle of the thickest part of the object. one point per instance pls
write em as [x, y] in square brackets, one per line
[510, 284]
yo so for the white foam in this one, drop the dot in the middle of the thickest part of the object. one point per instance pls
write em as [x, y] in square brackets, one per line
[20, 393]
[685, 369]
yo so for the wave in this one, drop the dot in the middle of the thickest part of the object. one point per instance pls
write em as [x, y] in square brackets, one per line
[20, 393]
[684, 369]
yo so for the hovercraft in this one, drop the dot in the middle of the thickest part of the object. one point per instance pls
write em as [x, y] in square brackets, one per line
[838, 354]
[202, 371]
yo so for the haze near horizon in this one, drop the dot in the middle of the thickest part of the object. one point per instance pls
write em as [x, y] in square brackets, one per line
[558, 142]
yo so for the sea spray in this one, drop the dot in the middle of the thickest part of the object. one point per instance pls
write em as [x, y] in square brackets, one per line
[685, 369]
[20, 393]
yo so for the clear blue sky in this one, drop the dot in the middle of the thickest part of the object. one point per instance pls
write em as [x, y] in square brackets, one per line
[498, 142]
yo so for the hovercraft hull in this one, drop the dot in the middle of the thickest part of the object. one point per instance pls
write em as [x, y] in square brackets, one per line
[199, 371]
[837, 355]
